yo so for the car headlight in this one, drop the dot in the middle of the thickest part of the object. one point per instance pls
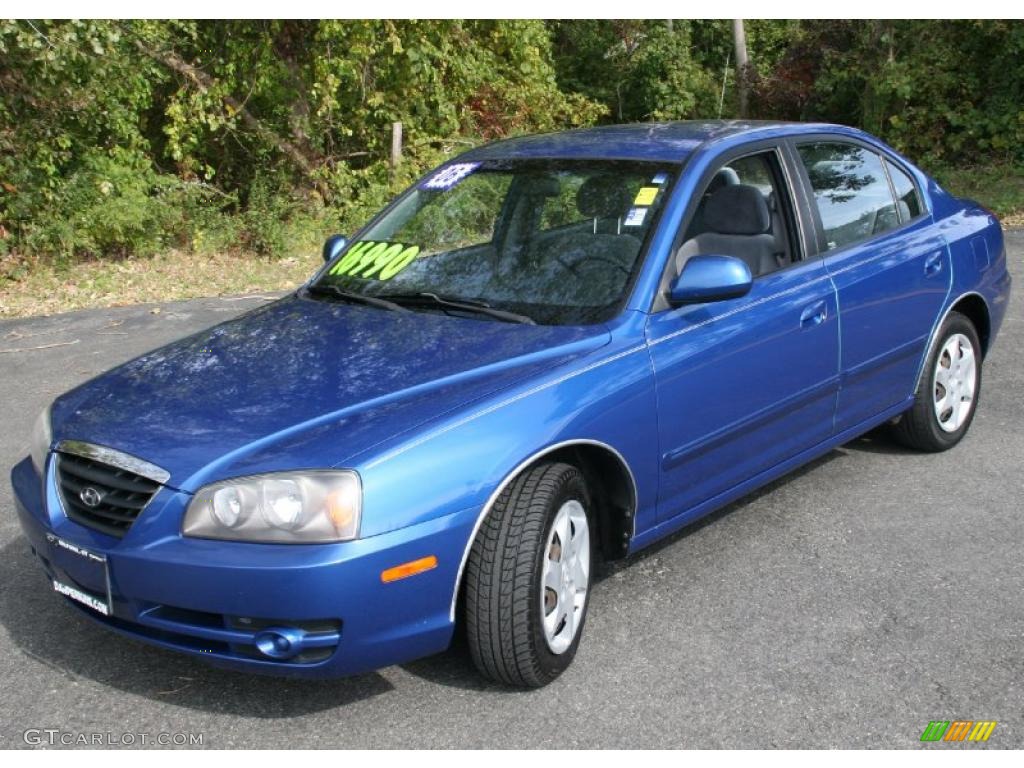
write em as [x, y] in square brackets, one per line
[41, 439]
[283, 507]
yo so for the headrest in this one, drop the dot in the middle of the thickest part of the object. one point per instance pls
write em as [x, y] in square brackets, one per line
[737, 210]
[602, 197]
[543, 186]
[725, 177]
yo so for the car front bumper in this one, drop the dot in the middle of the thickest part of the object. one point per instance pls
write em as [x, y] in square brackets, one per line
[217, 600]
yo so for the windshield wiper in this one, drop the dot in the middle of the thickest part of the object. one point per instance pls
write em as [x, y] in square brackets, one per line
[355, 298]
[464, 305]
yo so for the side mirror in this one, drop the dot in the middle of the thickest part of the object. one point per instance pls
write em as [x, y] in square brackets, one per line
[710, 278]
[333, 246]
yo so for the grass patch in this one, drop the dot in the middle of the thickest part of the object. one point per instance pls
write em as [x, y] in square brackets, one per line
[36, 287]
[998, 188]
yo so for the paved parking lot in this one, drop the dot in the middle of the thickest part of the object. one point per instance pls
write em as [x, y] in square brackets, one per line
[844, 606]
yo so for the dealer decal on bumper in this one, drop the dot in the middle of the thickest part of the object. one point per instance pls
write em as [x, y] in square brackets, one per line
[81, 597]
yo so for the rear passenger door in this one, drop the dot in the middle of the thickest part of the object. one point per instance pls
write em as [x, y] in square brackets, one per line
[890, 267]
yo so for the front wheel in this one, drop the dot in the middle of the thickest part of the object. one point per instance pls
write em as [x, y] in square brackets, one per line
[528, 577]
[947, 395]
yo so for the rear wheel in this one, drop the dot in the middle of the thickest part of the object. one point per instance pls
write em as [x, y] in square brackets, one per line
[528, 577]
[947, 395]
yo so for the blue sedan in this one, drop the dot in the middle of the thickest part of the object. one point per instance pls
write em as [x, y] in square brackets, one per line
[549, 351]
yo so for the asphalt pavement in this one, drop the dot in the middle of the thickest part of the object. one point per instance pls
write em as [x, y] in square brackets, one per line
[846, 605]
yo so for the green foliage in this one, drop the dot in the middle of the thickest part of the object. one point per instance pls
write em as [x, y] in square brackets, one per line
[130, 137]
[121, 138]
[642, 69]
[999, 187]
[942, 91]
[113, 202]
[459, 219]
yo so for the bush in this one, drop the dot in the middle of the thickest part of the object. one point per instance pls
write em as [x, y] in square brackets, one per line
[122, 138]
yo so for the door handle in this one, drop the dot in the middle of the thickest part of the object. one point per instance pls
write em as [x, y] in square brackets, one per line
[933, 264]
[814, 314]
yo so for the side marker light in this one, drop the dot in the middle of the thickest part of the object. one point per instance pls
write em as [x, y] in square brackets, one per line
[405, 570]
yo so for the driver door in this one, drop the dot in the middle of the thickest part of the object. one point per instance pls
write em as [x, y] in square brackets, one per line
[744, 384]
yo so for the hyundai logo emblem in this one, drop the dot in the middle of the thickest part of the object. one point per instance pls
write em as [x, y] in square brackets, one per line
[90, 496]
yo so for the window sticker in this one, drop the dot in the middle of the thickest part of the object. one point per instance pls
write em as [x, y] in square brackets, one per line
[646, 195]
[375, 259]
[635, 217]
[448, 177]
[660, 178]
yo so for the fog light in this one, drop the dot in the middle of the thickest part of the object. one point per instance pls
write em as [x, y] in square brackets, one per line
[279, 642]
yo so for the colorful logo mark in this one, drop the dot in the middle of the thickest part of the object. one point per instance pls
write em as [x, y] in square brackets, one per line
[958, 730]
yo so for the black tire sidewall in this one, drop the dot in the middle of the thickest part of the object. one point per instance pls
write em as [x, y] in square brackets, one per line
[571, 486]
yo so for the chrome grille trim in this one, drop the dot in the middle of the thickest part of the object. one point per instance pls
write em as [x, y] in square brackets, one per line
[115, 458]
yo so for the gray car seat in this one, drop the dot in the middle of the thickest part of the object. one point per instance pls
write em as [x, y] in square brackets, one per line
[725, 177]
[605, 200]
[738, 224]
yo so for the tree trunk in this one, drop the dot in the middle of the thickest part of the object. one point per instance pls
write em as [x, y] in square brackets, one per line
[739, 36]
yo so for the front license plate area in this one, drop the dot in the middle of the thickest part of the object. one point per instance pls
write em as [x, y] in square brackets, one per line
[80, 574]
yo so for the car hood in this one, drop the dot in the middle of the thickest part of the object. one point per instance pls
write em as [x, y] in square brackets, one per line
[303, 383]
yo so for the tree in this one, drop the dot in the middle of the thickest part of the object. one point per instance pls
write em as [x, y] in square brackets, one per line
[742, 66]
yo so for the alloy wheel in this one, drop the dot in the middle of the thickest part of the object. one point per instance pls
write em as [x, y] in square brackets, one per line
[566, 576]
[954, 382]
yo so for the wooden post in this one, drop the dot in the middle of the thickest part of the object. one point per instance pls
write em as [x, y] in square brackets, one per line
[396, 148]
[742, 76]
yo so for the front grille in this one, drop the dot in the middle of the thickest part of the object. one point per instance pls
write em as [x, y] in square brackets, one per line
[118, 494]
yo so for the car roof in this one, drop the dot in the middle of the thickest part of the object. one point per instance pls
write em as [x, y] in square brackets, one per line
[660, 142]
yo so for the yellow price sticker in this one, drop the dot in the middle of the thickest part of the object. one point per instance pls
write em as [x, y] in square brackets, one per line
[371, 258]
[646, 196]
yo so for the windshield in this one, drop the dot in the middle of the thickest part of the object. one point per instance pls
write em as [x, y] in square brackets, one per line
[557, 242]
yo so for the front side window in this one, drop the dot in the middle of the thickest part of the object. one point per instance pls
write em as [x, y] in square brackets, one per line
[851, 191]
[554, 241]
[743, 213]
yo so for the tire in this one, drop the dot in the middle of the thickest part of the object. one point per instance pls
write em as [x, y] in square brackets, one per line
[511, 630]
[942, 412]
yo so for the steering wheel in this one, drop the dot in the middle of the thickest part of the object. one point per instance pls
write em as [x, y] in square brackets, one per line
[573, 267]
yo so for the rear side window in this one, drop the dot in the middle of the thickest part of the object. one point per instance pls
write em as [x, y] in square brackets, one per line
[907, 199]
[850, 190]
